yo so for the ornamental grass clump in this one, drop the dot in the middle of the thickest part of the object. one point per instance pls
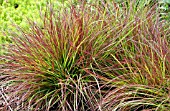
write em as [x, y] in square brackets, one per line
[46, 68]
[139, 72]
[89, 57]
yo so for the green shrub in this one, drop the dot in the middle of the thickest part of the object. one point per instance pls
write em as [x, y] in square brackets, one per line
[165, 9]
[18, 12]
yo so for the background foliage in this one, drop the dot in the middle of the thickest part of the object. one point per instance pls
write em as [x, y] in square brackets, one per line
[18, 12]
